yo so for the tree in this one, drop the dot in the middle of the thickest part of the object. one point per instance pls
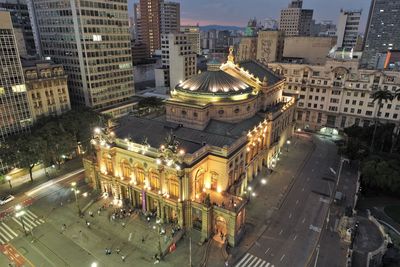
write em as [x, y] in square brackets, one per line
[23, 151]
[379, 96]
[59, 143]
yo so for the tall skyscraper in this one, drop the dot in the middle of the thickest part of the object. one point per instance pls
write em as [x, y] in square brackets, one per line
[296, 21]
[382, 31]
[156, 17]
[15, 116]
[170, 17]
[91, 39]
[150, 24]
[347, 29]
[22, 25]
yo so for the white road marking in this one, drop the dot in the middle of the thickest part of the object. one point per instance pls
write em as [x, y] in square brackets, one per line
[34, 215]
[258, 262]
[315, 228]
[9, 229]
[281, 232]
[297, 202]
[244, 260]
[267, 250]
[290, 215]
[324, 200]
[283, 256]
[5, 238]
[295, 237]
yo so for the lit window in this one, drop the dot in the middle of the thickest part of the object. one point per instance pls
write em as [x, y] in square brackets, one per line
[97, 38]
[19, 88]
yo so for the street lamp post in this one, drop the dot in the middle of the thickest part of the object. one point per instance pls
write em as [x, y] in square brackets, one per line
[19, 213]
[287, 145]
[76, 192]
[8, 178]
[158, 227]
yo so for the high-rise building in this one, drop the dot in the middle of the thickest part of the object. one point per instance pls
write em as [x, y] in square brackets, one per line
[15, 116]
[193, 36]
[149, 28]
[296, 21]
[156, 17]
[22, 25]
[170, 17]
[347, 29]
[382, 31]
[179, 60]
[270, 46]
[92, 42]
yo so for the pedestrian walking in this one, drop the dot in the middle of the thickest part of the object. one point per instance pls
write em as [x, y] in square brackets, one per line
[118, 250]
[123, 258]
[143, 239]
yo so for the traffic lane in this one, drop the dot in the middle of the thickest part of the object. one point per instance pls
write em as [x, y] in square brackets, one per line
[25, 199]
[279, 234]
[291, 240]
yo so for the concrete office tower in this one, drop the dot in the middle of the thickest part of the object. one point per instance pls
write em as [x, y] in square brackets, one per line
[270, 46]
[179, 60]
[15, 116]
[22, 25]
[92, 42]
[193, 36]
[170, 17]
[382, 31]
[149, 27]
[155, 17]
[347, 29]
[296, 21]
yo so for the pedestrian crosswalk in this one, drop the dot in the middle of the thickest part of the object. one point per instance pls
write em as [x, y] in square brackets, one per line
[250, 260]
[29, 220]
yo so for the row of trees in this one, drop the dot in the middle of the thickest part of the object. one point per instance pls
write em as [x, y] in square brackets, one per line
[51, 140]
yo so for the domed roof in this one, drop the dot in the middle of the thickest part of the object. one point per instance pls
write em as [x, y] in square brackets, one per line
[214, 82]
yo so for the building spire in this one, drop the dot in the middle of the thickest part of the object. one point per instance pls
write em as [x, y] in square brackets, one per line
[231, 57]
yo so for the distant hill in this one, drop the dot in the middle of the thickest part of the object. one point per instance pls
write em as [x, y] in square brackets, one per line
[220, 28]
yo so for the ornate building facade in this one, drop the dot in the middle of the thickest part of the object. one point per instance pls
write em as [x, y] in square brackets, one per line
[192, 165]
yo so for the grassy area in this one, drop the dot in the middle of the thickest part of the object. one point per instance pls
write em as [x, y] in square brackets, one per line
[394, 212]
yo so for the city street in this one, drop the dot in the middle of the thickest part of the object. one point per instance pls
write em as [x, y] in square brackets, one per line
[292, 233]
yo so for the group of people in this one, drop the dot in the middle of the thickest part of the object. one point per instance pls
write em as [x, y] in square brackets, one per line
[108, 252]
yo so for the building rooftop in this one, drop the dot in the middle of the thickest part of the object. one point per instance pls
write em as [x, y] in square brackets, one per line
[214, 82]
[154, 131]
[260, 71]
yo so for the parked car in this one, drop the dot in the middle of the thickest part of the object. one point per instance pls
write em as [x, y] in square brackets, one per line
[6, 199]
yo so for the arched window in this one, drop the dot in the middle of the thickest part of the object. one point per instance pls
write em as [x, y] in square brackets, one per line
[173, 186]
[139, 175]
[154, 180]
[126, 169]
[108, 162]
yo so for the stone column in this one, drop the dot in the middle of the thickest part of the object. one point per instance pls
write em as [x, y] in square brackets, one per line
[206, 227]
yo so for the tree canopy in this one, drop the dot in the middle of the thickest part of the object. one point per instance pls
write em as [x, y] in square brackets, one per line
[51, 139]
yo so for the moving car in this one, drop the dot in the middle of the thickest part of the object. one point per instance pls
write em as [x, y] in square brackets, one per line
[6, 199]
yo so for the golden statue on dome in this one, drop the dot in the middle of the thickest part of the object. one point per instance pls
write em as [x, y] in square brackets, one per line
[231, 57]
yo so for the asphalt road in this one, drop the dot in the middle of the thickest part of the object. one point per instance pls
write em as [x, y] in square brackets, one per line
[292, 235]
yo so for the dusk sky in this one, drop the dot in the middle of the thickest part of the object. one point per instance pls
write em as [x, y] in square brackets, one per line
[238, 12]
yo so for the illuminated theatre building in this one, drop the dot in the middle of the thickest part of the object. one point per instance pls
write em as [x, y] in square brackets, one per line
[192, 165]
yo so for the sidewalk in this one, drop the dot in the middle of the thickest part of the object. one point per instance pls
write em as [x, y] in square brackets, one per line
[23, 183]
[269, 197]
